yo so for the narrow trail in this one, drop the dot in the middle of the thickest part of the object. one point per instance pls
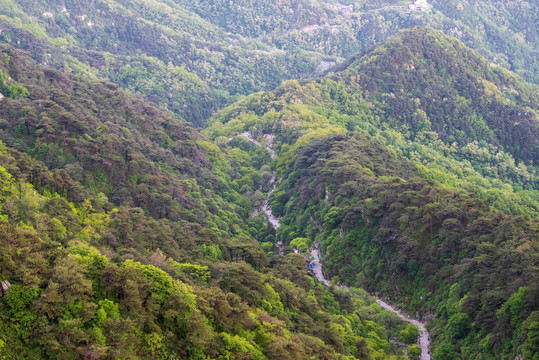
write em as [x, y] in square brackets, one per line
[424, 341]
[267, 207]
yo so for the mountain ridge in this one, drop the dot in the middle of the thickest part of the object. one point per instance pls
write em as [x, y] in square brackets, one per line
[218, 62]
[414, 54]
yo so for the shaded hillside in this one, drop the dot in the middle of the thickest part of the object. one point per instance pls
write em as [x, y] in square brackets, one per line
[445, 254]
[160, 50]
[96, 295]
[503, 31]
[423, 72]
[464, 123]
[117, 144]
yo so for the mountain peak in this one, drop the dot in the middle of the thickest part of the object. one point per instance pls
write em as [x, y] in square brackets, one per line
[463, 96]
[413, 47]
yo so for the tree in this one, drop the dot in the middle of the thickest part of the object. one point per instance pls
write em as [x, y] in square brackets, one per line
[458, 325]
[302, 244]
[444, 352]
[413, 351]
[409, 334]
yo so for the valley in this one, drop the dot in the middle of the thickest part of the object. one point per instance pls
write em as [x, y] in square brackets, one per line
[353, 179]
[423, 339]
[267, 180]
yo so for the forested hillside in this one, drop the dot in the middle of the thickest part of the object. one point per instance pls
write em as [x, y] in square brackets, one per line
[194, 57]
[466, 124]
[504, 31]
[406, 156]
[157, 49]
[443, 253]
[415, 168]
[126, 234]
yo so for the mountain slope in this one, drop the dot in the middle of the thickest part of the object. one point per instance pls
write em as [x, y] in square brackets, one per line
[194, 57]
[442, 253]
[160, 50]
[110, 141]
[503, 31]
[464, 98]
[469, 124]
[125, 234]
[398, 166]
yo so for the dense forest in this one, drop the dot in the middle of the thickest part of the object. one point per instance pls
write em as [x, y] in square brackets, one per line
[144, 144]
[194, 57]
[405, 196]
[428, 98]
[125, 234]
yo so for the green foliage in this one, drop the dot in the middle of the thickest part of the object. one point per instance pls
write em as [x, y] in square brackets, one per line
[198, 272]
[302, 244]
[124, 236]
[212, 251]
[14, 90]
[507, 40]
[444, 352]
[515, 306]
[409, 335]
[244, 47]
[105, 152]
[237, 347]
[495, 165]
[530, 348]
[458, 325]
[413, 220]
[419, 197]
[127, 234]
[413, 351]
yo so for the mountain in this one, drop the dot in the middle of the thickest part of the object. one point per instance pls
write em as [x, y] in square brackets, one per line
[469, 124]
[414, 166]
[411, 166]
[504, 31]
[463, 98]
[194, 57]
[124, 233]
[160, 50]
